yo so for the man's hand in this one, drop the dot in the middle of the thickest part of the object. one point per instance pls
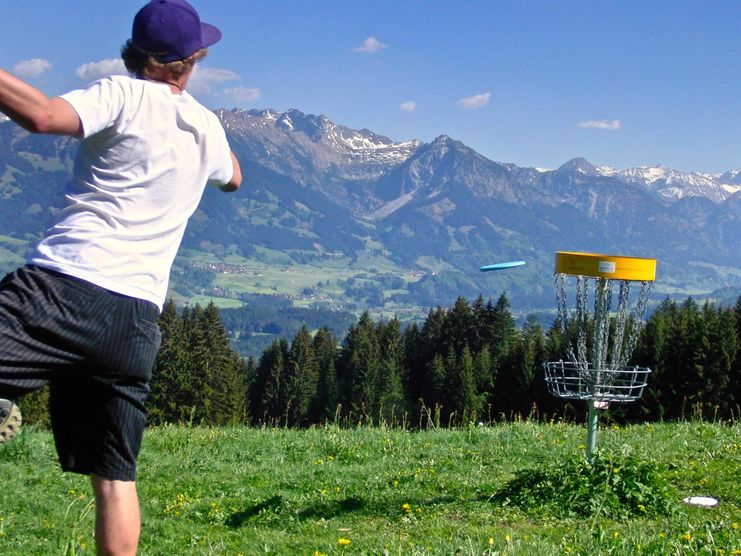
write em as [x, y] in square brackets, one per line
[34, 111]
[236, 180]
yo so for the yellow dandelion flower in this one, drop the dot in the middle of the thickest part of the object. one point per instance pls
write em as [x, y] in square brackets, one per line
[615, 534]
[343, 541]
[507, 538]
[406, 507]
[641, 508]
[735, 526]
[687, 536]
[491, 541]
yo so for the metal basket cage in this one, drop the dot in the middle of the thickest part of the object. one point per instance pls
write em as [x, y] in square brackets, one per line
[569, 380]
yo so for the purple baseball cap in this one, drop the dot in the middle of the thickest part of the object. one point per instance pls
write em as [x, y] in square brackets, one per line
[170, 30]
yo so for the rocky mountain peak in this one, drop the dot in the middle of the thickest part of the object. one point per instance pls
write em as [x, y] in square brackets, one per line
[580, 165]
[732, 177]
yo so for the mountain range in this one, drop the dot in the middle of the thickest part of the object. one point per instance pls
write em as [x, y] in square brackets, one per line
[320, 193]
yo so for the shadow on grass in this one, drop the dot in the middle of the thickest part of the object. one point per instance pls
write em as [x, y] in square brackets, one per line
[238, 519]
[332, 508]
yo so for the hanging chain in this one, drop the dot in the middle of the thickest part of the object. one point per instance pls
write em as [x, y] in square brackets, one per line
[627, 325]
[582, 322]
[637, 321]
[617, 359]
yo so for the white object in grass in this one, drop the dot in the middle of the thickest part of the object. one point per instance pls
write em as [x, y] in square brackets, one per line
[704, 501]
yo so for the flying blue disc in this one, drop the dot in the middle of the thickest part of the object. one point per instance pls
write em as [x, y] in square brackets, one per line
[501, 266]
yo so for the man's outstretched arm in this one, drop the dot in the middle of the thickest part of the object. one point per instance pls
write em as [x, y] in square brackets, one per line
[34, 111]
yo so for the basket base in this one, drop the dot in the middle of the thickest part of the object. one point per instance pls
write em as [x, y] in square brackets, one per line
[566, 379]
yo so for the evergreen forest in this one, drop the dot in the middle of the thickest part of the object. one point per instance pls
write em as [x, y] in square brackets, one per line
[467, 363]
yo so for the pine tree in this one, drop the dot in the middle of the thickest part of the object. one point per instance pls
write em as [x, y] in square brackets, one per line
[501, 334]
[461, 398]
[735, 381]
[720, 345]
[414, 368]
[171, 384]
[482, 372]
[359, 367]
[438, 377]
[223, 392]
[460, 327]
[197, 376]
[649, 353]
[517, 386]
[267, 394]
[301, 378]
[685, 362]
[422, 349]
[392, 401]
[327, 398]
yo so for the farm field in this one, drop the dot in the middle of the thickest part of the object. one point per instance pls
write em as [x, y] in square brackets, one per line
[379, 490]
[366, 283]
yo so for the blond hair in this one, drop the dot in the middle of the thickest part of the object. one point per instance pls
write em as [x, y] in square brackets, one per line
[145, 64]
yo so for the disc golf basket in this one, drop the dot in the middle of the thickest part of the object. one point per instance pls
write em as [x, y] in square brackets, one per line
[599, 347]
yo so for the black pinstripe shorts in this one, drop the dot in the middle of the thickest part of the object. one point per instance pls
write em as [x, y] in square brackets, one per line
[95, 349]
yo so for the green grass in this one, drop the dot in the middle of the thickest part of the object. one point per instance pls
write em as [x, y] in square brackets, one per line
[376, 490]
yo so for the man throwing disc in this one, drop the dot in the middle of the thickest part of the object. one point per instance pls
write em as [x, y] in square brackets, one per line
[81, 314]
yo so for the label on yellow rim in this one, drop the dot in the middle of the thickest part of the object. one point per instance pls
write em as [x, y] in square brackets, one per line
[605, 266]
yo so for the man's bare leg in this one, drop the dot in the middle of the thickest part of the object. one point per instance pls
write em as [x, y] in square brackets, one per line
[117, 520]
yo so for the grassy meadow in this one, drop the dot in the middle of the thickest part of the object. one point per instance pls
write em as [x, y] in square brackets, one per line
[378, 490]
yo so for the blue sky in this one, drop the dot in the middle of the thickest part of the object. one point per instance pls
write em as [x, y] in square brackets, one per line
[535, 83]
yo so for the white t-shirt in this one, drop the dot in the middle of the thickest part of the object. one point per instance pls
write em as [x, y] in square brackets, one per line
[146, 157]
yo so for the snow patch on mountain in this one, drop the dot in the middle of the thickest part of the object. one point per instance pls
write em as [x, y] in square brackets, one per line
[296, 139]
[672, 185]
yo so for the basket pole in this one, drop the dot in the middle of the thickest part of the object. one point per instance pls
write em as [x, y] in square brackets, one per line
[591, 430]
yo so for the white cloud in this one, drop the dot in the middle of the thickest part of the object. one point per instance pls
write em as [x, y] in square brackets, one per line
[601, 124]
[370, 45]
[476, 101]
[242, 94]
[32, 68]
[408, 106]
[203, 79]
[102, 68]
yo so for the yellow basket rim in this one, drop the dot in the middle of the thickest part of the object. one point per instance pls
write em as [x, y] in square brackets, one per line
[598, 265]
